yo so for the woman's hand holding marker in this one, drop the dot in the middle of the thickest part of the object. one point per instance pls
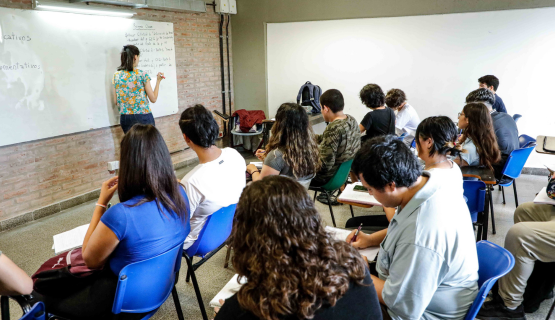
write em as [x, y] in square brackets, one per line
[160, 76]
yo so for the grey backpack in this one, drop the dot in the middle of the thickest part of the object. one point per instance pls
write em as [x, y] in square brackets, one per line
[309, 95]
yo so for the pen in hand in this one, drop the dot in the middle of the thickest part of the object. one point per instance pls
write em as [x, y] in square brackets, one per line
[354, 238]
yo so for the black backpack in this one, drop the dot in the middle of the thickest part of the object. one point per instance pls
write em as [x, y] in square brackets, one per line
[309, 95]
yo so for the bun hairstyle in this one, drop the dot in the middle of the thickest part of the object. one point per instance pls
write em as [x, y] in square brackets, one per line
[443, 132]
[128, 57]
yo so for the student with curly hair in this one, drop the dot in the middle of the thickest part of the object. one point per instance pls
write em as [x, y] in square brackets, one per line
[292, 149]
[379, 121]
[406, 119]
[478, 139]
[295, 269]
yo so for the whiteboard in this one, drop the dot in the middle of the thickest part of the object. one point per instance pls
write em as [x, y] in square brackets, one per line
[56, 71]
[435, 59]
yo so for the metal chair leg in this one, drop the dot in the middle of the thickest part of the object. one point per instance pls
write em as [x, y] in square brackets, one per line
[352, 213]
[5, 304]
[503, 191]
[188, 277]
[329, 205]
[314, 200]
[492, 215]
[177, 304]
[516, 197]
[550, 311]
[226, 263]
[197, 290]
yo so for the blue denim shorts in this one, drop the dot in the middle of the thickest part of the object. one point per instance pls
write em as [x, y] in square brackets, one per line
[128, 120]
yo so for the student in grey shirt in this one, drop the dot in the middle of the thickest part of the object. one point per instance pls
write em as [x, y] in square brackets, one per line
[292, 149]
[427, 264]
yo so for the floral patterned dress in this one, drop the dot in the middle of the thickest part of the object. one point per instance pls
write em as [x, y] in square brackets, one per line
[130, 91]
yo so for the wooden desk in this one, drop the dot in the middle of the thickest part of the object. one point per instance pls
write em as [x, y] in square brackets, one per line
[488, 177]
[356, 204]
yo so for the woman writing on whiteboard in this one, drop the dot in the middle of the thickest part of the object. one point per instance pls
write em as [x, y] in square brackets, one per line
[131, 89]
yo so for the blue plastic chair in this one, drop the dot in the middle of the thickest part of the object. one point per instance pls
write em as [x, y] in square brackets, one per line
[513, 169]
[516, 116]
[525, 141]
[37, 312]
[211, 239]
[144, 286]
[402, 136]
[30, 312]
[475, 192]
[494, 262]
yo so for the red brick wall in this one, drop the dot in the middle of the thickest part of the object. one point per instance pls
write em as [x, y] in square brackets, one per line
[38, 173]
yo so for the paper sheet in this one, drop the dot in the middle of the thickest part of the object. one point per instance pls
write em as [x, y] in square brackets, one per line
[230, 289]
[350, 195]
[70, 239]
[542, 198]
[341, 234]
[257, 164]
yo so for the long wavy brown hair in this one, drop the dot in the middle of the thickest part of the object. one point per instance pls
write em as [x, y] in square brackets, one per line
[292, 264]
[480, 131]
[292, 134]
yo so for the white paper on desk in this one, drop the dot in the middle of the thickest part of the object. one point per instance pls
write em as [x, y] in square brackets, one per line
[350, 195]
[230, 289]
[542, 198]
[257, 164]
[341, 234]
[70, 239]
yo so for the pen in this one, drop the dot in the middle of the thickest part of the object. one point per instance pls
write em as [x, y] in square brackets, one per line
[354, 238]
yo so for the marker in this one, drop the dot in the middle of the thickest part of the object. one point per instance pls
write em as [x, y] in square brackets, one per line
[354, 238]
[162, 76]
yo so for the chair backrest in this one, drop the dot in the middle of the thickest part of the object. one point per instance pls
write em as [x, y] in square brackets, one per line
[516, 116]
[515, 162]
[494, 262]
[215, 232]
[340, 176]
[525, 141]
[475, 192]
[37, 312]
[144, 286]
[413, 143]
[402, 136]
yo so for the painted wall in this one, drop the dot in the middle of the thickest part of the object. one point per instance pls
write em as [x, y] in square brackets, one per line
[249, 65]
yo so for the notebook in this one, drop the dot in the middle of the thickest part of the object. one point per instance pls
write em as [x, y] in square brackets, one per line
[71, 239]
[341, 234]
[257, 164]
[350, 195]
[542, 198]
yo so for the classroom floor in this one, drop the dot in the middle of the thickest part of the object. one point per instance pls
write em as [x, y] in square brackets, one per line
[31, 244]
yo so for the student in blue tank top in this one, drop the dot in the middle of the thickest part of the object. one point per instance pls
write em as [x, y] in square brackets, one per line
[152, 218]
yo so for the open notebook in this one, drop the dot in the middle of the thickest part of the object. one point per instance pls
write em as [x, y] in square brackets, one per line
[232, 286]
[71, 239]
[362, 197]
[542, 198]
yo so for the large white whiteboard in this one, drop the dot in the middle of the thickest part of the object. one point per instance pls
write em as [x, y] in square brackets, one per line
[56, 71]
[436, 60]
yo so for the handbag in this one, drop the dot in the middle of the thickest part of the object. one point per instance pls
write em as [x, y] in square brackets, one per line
[63, 274]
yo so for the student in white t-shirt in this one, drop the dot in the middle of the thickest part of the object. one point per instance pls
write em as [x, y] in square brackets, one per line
[219, 178]
[407, 119]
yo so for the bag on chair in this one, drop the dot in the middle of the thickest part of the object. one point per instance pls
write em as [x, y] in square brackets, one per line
[63, 274]
[309, 95]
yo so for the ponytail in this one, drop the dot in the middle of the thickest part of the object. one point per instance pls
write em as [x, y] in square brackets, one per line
[128, 57]
[452, 148]
[443, 132]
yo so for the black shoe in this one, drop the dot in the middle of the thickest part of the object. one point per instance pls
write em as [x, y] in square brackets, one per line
[323, 198]
[535, 307]
[496, 310]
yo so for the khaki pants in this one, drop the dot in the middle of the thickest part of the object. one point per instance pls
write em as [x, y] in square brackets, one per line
[531, 238]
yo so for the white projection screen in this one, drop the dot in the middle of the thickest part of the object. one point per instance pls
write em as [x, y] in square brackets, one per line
[435, 59]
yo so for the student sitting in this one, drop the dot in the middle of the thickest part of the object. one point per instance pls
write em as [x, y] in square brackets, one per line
[492, 83]
[504, 127]
[531, 239]
[407, 119]
[427, 265]
[13, 280]
[341, 138]
[379, 121]
[295, 269]
[219, 178]
[151, 219]
[292, 149]
[478, 140]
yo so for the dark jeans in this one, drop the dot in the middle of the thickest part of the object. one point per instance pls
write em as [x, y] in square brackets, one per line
[128, 120]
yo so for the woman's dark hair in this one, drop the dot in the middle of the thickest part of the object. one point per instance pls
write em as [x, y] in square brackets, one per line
[480, 131]
[490, 81]
[333, 99]
[292, 134]
[386, 159]
[292, 264]
[395, 98]
[443, 132]
[372, 96]
[199, 125]
[127, 57]
[146, 170]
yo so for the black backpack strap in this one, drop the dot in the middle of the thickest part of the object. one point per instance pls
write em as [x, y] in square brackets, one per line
[391, 121]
